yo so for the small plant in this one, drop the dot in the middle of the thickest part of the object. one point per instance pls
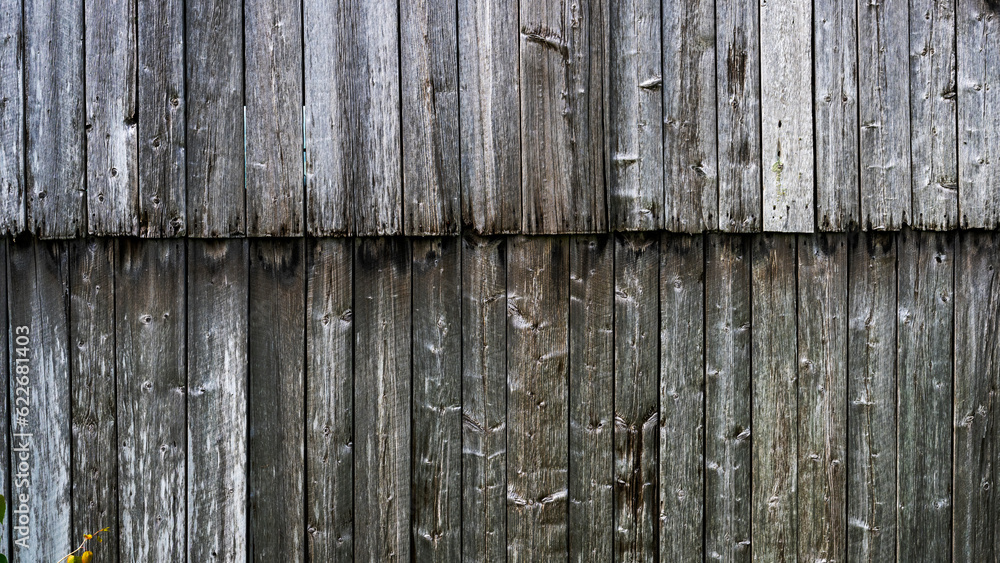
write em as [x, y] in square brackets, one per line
[87, 556]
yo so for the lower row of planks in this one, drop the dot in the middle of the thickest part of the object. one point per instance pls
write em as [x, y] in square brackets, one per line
[631, 398]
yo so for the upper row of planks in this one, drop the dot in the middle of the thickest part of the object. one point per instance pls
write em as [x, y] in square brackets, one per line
[211, 118]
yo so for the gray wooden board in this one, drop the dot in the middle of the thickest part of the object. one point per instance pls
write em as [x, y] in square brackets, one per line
[7, 374]
[12, 194]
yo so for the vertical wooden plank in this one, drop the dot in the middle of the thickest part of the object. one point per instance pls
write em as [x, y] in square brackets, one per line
[924, 439]
[787, 114]
[352, 117]
[871, 386]
[484, 398]
[562, 66]
[537, 398]
[92, 383]
[682, 398]
[635, 116]
[382, 395]
[884, 115]
[273, 81]
[429, 75]
[329, 400]
[8, 375]
[150, 330]
[213, 58]
[217, 294]
[276, 458]
[835, 106]
[727, 398]
[12, 194]
[775, 421]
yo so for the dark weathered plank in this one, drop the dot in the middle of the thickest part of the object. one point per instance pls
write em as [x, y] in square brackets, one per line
[871, 388]
[273, 82]
[537, 398]
[8, 372]
[822, 397]
[329, 399]
[150, 335]
[429, 79]
[562, 68]
[12, 195]
[382, 396]
[484, 399]
[276, 347]
[682, 398]
[591, 398]
[635, 116]
[775, 421]
[924, 414]
[213, 59]
[217, 294]
[727, 398]
[352, 114]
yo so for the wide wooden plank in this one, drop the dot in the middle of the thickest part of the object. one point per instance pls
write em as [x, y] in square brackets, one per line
[382, 399]
[273, 82]
[213, 58]
[329, 399]
[537, 398]
[429, 80]
[352, 114]
[217, 294]
[924, 414]
[562, 67]
[276, 420]
[787, 115]
[682, 398]
[484, 398]
[591, 398]
[150, 337]
[12, 196]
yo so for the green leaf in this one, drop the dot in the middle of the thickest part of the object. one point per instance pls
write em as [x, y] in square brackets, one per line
[3, 558]
[3, 510]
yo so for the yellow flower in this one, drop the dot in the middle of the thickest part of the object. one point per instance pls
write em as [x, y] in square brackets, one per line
[87, 557]
[88, 537]
[71, 559]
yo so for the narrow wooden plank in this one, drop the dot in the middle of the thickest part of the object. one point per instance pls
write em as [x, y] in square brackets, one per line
[92, 383]
[276, 348]
[562, 65]
[429, 75]
[537, 398]
[55, 178]
[591, 398]
[382, 397]
[150, 340]
[775, 421]
[8, 377]
[635, 116]
[112, 150]
[484, 398]
[162, 97]
[216, 199]
[273, 82]
[787, 115]
[12, 196]
[40, 428]
[924, 414]
[822, 397]
[352, 117]
[835, 107]
[871, 387]
[682, 398]
[217, 296]
[691, 192]
[884, 115]
[933, 114]
[329, 400]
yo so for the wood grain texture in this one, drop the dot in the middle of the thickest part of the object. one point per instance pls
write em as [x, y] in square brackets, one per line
[12, 195]
[217, 295]
[728, 404]
[330, 399]
[562, 66]
[382, 400]
[682, 398]
[430, 122]
[150, 336]
[591, 398]
[537, 398]
[214, 119]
